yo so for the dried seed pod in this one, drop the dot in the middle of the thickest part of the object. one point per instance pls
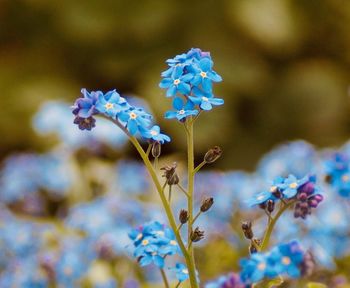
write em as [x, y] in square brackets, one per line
[196, 235]
[212, 155]
[183, 216]
[206, 204]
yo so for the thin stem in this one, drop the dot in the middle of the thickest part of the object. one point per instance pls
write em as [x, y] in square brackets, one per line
[169, 195]
[165, 279]
[178, 284]
[190, 190]
[188, 258]
[199, 167]
[196, 117]
[179, 227]
[148, 149]
[195, 218]
[272, 224]
[183, 190]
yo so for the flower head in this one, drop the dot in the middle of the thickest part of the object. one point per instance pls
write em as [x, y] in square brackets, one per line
[111, 104]
[154, 134]
[136, 119]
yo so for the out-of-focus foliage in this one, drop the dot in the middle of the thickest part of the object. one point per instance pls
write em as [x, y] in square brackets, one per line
[285, 64]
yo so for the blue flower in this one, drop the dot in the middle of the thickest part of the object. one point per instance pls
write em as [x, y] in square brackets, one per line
[85, 107]
[153, 241]
[205, 75]
[291, 185]
[111, 104]
[253, 269]
[182, 110]
[181, 272]
[205, 100]
[136, 119]
[288, 258]
[155, 135]
[177, 82]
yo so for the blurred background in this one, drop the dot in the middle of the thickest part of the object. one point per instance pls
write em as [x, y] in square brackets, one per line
[285, 66]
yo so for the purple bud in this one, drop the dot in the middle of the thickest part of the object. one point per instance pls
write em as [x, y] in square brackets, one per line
[307, 188]
[302, 196]
[318, 198]
[313, 203]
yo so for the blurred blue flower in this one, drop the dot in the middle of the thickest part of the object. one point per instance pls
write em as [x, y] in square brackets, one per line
[230, 280]
[181, 272]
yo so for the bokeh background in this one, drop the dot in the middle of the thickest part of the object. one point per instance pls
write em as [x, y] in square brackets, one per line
[285, 65]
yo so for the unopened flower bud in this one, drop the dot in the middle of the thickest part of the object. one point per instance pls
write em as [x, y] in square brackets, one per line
[206, 204]
[156, 149]
[213, 154]
[247, 229]
[183, 216]
[270, 206]
[197, 235]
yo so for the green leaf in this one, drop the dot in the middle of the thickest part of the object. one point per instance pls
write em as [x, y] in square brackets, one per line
[269, 283]
[315, 285]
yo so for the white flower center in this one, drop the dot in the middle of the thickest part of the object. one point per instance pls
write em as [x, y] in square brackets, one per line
[145, 242]
[205, 99]
[203, 74]
[182, 111]
[185, 271]
[262, 266]
[154, 133]
[173, 242]
[177, 81]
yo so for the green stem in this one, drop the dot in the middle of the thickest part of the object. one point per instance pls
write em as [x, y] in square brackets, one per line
[169, 196]
[195, 218]
[165, 279]
[284, 206]
[178, 284]
[190, 190]
[199, 167]
[148, 149]
[183, 190]
[188, 258]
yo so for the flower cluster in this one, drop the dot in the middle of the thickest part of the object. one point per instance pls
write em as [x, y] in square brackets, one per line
[302, 191]
[337, 170]
[283, 260]
[153, 242]
[112, 105]
[189, 80]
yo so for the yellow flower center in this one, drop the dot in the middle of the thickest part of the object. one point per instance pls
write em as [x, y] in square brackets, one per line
[109, 106]
[185, 271]
[273, 188]
[145, 242]
[205, 99]
[133, 115]
[286, 260]
[181, 112]
[173, 242]
[262, 266]
[293, 185]
[177, 81]
[203, 74]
